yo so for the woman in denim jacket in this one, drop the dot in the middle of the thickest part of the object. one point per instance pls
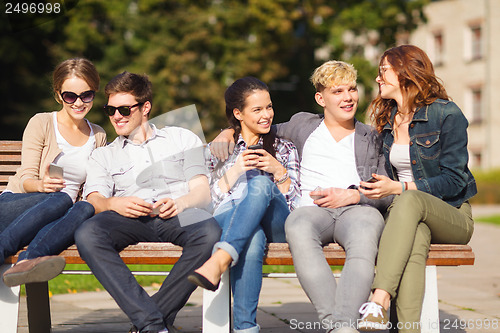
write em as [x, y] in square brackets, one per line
[425, 146]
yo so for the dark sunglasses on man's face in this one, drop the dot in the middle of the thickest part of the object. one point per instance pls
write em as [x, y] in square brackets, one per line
[124, 110]
[70, 97]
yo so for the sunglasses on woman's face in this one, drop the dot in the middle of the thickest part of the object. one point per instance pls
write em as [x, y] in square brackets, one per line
[123, 110]
[70, 97]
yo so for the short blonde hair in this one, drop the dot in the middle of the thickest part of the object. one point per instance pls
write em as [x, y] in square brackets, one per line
[333, 73]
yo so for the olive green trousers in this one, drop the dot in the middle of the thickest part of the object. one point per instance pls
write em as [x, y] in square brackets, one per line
[415, 220]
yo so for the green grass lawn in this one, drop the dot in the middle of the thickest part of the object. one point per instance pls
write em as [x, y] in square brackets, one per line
[494, 219]
[69, 283]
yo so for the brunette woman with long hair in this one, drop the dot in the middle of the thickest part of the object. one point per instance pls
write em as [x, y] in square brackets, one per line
[253, 193]
[425, 146]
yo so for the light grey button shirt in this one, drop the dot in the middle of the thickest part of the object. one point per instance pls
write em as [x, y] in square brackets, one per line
[158, 168]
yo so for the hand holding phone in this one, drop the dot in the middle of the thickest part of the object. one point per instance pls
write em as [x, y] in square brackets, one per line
[371, 180]
[253, 147]
[316, 197]
[55, 171]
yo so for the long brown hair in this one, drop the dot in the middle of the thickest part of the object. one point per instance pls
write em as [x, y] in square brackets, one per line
[235, 97]
[419, 84]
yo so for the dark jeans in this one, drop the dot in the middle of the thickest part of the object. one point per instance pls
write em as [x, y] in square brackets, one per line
[102, 237]
[45, 221]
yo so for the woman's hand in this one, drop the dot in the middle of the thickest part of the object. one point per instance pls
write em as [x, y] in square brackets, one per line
[49, 184]
[267, 163]
[247, 160]
[383, 187]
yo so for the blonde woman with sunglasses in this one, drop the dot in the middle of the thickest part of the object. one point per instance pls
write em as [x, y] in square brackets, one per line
[40, 206]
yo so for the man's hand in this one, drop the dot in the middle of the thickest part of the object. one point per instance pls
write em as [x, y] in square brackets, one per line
[168, 207]
[336, 197]
[223, 145]
[132, 207]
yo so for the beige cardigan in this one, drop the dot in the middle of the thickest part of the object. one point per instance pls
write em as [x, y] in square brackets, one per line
[40, 148]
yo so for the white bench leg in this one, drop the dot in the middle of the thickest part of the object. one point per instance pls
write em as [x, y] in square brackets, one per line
[217, 308]
[430, 308]
[9, 304]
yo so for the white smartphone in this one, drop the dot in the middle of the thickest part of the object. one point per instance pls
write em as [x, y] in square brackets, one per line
[316, 197]
[55, 171]
[156, 211]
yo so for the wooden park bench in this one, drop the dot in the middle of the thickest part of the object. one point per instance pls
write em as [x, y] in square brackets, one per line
[216, 305]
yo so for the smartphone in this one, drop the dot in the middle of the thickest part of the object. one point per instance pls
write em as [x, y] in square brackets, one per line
[371, 180]
[55, 171]
[255, 147]
[156, 211]
[316, 197]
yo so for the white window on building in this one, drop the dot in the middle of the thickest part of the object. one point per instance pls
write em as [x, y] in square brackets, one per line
[474, 104]
[474, 42]
[438, 48]
[476, 160]
[476, 46]
[477, 104]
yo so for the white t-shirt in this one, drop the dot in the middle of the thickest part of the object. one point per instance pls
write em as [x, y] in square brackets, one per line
[399, 157]
[326, 163]
[73, 160]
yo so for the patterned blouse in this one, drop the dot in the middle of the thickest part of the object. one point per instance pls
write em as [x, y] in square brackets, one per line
[286, 154]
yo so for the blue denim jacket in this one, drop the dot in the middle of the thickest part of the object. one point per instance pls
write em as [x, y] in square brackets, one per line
[438, 152]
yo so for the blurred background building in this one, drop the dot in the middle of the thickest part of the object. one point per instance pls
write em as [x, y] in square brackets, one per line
[463, 41]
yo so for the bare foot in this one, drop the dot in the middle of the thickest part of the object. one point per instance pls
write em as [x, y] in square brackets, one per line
[381, 297]
[213, 268]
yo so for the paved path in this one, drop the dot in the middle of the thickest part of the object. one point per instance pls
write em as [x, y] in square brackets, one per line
[469, 298]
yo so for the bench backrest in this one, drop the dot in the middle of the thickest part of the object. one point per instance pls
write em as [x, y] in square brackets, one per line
[10, 160]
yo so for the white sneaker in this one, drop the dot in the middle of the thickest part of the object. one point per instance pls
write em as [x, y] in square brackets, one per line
[374, 317]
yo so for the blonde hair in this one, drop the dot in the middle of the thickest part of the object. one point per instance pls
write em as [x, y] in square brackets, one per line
[333, 73]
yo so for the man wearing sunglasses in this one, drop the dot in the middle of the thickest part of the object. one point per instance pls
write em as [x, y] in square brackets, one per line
[148, 185]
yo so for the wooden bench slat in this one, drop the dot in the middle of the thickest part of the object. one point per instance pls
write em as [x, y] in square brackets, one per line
[10, 160]
[7, 145]
[276, 254]
[7, 170]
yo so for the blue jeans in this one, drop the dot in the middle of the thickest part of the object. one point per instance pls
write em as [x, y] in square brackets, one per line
[45, 221]
[246, 226]
[357, 229]
[102, 237]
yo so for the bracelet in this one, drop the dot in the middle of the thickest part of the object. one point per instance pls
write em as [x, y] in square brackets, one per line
[282, 179]
[402, 187]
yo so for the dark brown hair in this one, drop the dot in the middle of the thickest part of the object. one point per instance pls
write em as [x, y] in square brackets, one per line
[137, 85]
[419, 84]
[235, 97]
[79, 67]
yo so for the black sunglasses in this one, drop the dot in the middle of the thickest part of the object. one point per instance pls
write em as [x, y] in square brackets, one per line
[124, 110]
[70, 97]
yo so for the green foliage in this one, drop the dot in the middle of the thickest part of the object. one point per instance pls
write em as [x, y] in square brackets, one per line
[192, 50]
[488, 187]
